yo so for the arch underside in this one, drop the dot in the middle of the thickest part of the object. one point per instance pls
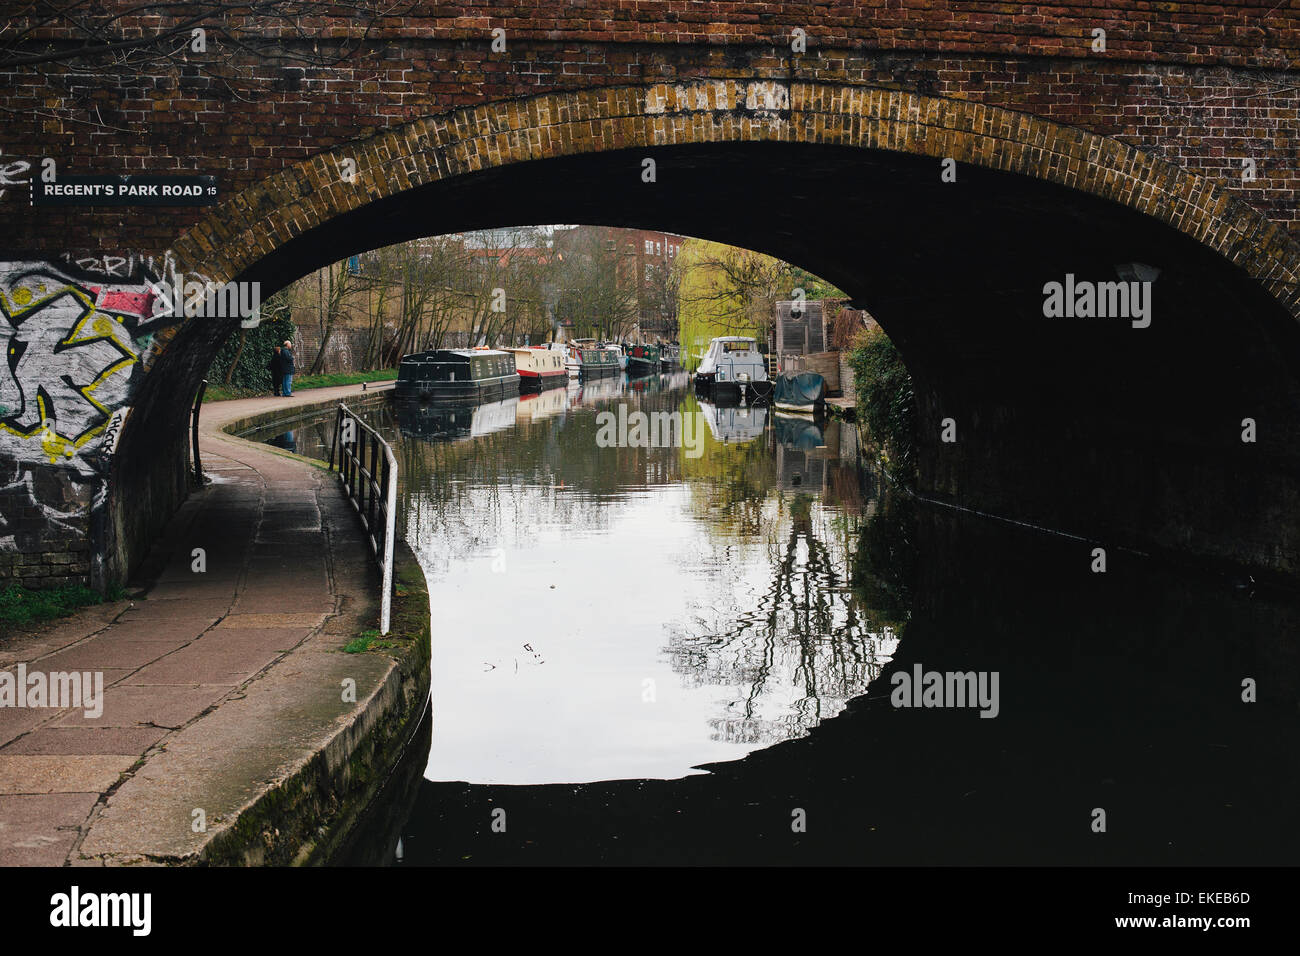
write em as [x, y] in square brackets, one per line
[1088, 425]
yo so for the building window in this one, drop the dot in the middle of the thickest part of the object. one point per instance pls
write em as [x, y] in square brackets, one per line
[649, 246]
[657, 250]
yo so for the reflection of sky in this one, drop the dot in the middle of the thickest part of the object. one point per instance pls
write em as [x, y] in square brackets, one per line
[747, 632]
[545, 638]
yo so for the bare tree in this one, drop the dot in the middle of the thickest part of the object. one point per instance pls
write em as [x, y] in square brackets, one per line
[334, 287]
[598, 290]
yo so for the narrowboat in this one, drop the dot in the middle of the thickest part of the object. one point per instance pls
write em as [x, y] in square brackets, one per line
[618, 353]
[803, 393]
[457, 375]
[586, 361]
[539, 368]
[642, 360]
[733, 367]
[670, 358]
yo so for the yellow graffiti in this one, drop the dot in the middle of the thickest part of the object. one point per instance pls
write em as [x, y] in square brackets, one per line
[93, 326]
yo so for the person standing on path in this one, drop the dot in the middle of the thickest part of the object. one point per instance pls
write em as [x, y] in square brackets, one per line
[287, 367]
[276, 368]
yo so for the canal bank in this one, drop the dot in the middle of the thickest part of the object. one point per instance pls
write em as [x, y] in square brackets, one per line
[235, 728]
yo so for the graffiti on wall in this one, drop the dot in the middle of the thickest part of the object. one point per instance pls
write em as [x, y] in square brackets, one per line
[13, 172]
[74, 345]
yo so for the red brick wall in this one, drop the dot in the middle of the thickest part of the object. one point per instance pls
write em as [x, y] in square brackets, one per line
[1202, 85]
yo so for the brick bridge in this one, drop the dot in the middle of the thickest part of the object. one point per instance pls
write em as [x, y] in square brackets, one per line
[1166, 154]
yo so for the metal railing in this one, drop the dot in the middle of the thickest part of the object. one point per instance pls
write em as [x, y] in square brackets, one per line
[194, 431]
[368, 470]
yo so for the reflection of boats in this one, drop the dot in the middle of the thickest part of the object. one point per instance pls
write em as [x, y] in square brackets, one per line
[733, 424]
[457, 375]
[642, 360]
[798, 432]
[446, 421]
[535, 406]
[733, 367]
[801, 392]
[590, 391]
[539, 368]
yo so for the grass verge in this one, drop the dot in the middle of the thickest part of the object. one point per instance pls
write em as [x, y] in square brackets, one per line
[215, 393]
[20, 606]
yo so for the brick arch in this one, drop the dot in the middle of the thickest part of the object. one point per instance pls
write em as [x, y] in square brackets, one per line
[257, 221]
[1180, 388]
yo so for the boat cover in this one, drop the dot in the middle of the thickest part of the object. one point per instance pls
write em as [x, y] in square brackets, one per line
[803, 388]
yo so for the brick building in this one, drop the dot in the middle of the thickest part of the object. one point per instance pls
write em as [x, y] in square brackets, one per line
[645, 261]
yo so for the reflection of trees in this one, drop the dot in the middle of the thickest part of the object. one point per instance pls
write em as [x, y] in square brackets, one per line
[780, 622]
[805, 635]
[460, 493]
[729, 483]
[884, 564]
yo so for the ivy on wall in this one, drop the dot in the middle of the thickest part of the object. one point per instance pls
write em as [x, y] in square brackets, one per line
[241, 363]
[886, 401]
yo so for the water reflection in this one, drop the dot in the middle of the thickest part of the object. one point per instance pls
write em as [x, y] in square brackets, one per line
[625, 612]
[287, 440]
[451, 422]
[734, 423]
[614, 614]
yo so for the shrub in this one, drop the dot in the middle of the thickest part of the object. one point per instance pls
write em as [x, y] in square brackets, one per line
[241, 362]
[886, 401]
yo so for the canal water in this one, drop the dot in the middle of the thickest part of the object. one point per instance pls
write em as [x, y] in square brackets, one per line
[667, 632]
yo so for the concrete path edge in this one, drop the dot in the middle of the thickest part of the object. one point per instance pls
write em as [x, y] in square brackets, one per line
[309, 814]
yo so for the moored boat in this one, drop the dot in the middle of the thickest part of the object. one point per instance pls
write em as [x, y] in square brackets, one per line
[539, 368]
[803, 393]
[642, 360]
[457, 375]
[618, 353]
[583, 360]
[733, 367]
[599, 362]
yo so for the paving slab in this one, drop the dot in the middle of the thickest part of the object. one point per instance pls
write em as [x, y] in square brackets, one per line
[156, 626]
[101, 653]
[62, 773]
[16, 721]
[85, 740]
[41, 830]
[127, 705]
